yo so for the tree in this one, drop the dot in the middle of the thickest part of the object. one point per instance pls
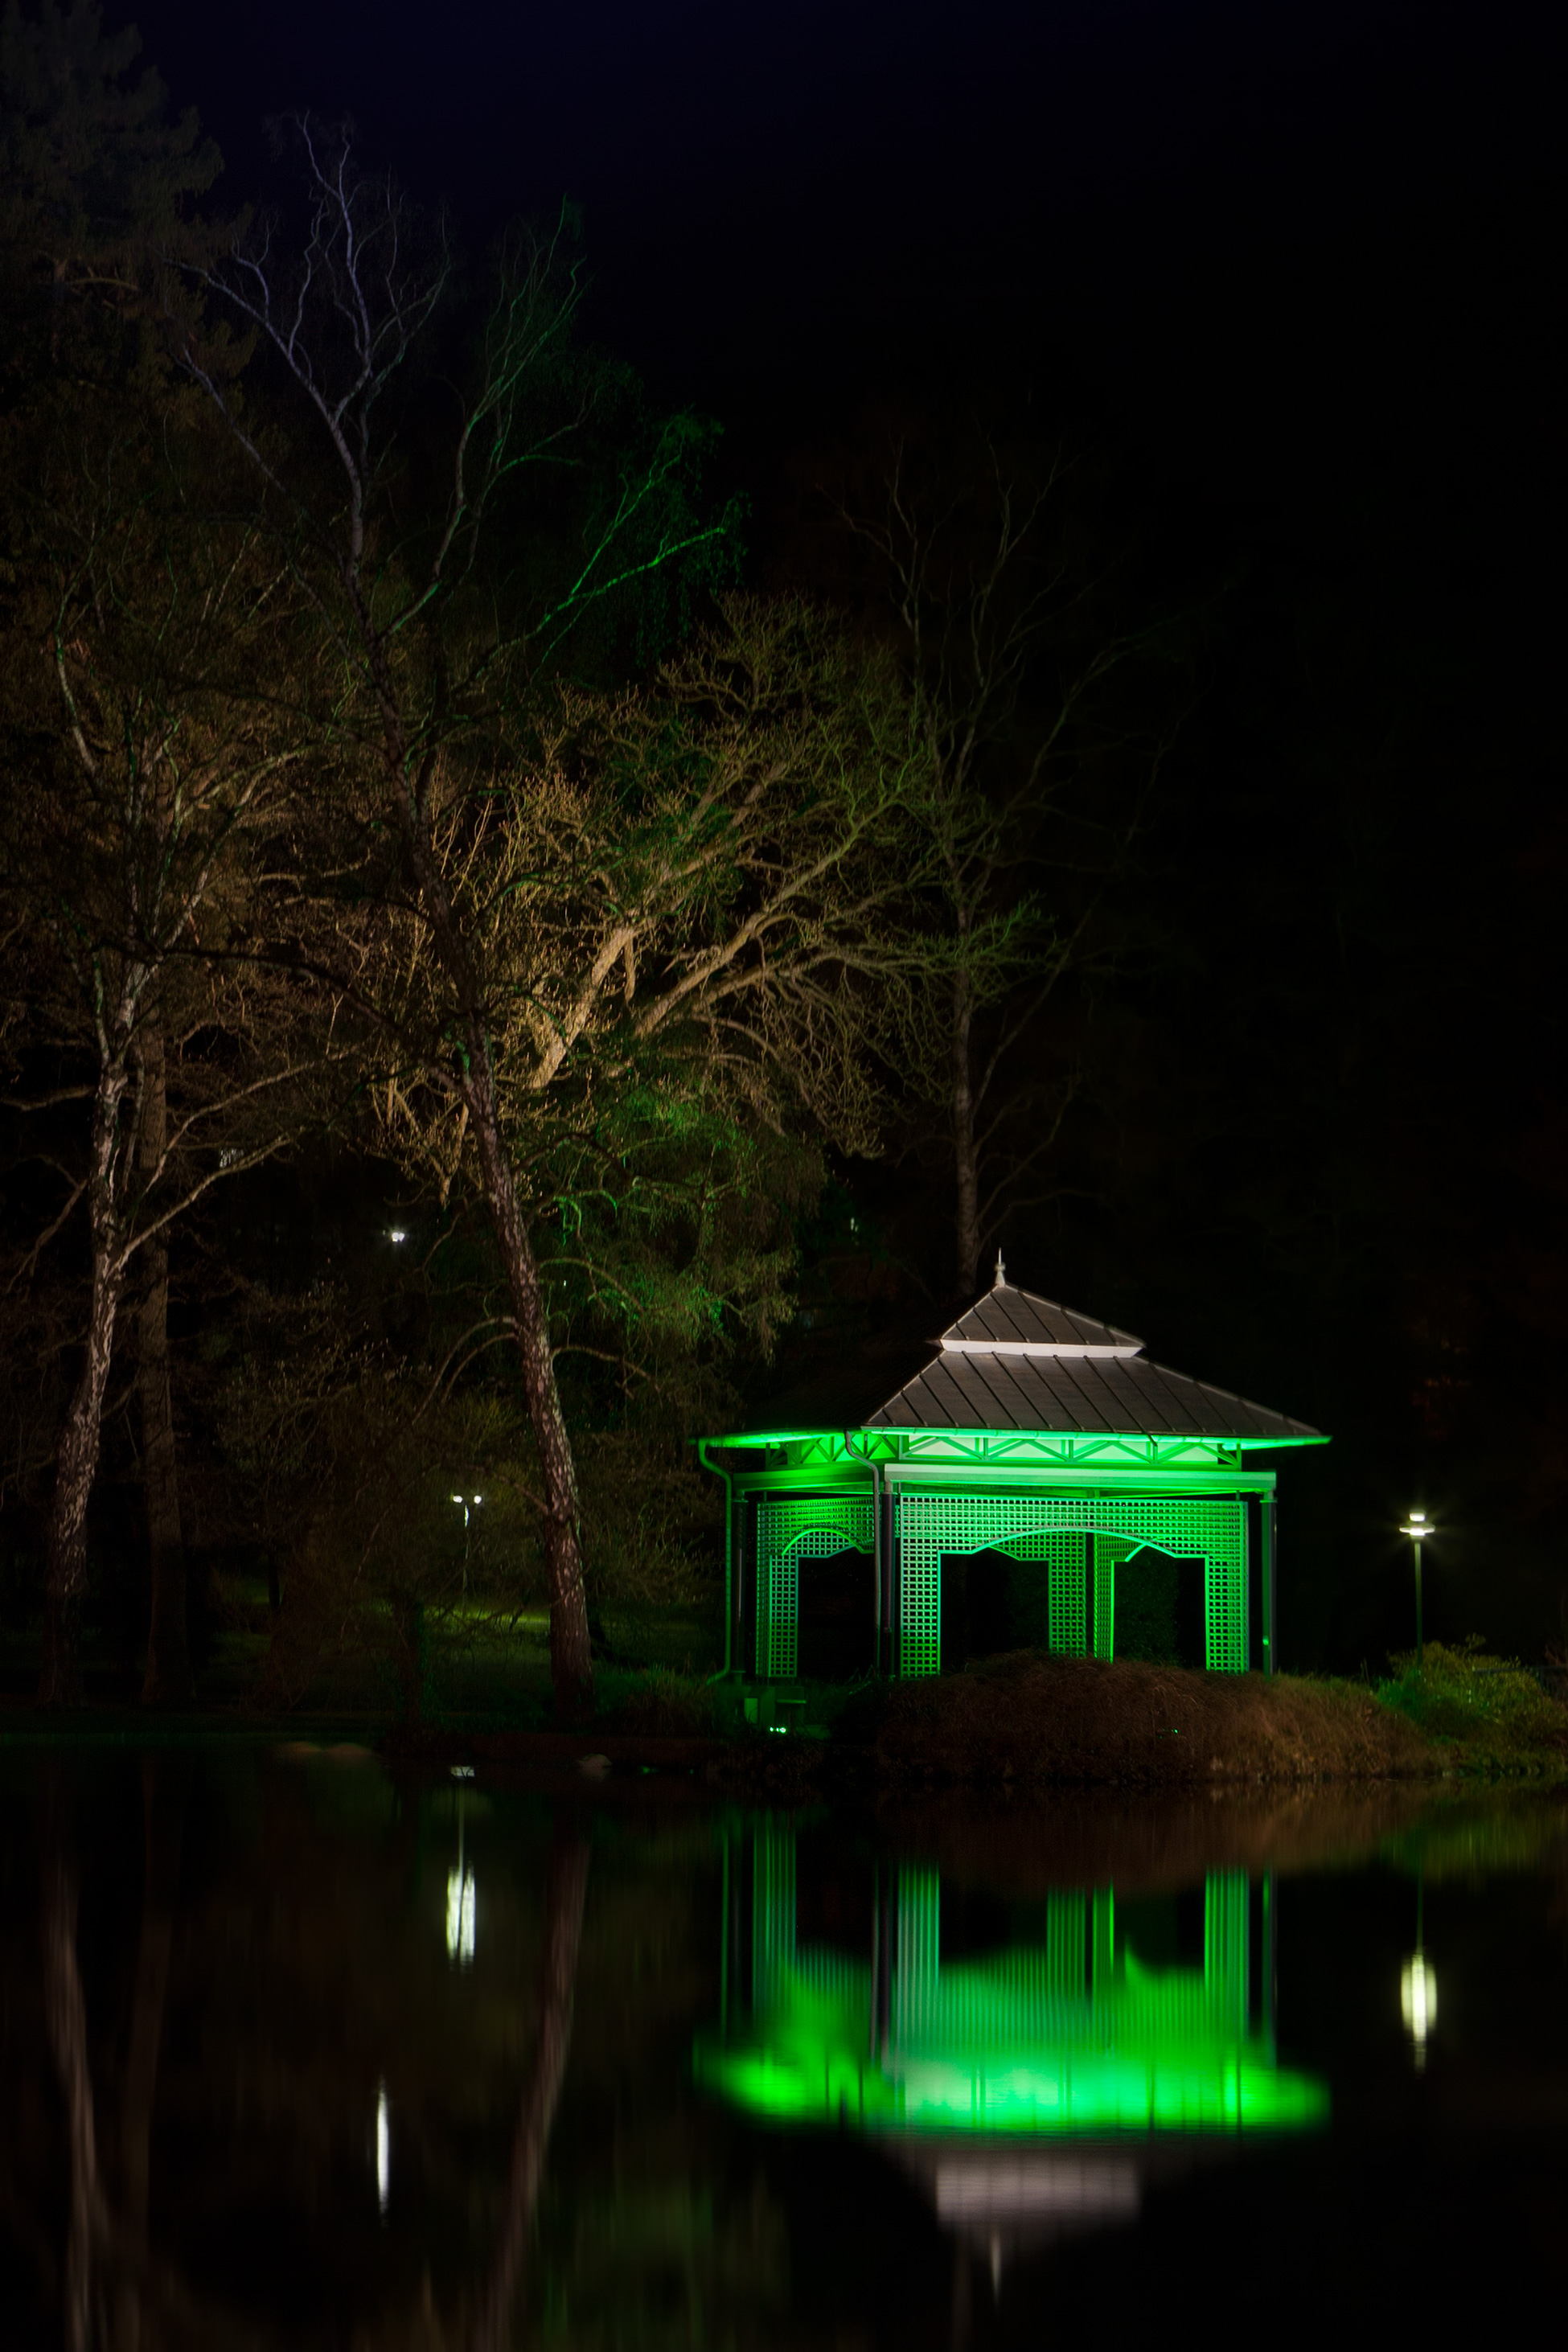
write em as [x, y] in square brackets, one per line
[94, 179]
[1043, 727]
[142, 778]
[436, 619]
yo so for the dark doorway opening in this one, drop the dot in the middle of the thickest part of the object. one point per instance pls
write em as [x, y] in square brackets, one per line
[990, 1604]
[1146, 1589]
[1190, 1615]
[836, 1626]
[1159, 1609]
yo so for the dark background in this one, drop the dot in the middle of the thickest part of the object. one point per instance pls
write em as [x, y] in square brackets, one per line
[1291, 273]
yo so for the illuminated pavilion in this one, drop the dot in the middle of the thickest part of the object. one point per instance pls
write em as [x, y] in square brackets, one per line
[1038, 1481]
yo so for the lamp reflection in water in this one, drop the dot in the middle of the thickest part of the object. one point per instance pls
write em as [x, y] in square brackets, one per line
[382, 2150]
[1418, 1984]
[460, 1902]
[1010, 2083]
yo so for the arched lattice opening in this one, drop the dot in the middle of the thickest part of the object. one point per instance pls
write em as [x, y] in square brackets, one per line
[1078, 1542]
[1080, 1545]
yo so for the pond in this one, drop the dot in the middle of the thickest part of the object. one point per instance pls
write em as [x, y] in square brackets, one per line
[298, 2051]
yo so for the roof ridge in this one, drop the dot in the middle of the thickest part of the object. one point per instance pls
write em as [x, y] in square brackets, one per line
[1006, 1299]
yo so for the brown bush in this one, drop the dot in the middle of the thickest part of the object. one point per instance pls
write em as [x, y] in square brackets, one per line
[1031, 1716]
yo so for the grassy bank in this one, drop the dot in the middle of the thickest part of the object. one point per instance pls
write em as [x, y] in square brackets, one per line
[1033, 1720]
[1028, 1719]
[1031, 1717]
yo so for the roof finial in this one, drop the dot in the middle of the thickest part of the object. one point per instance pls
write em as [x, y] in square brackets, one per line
[1001, 1281]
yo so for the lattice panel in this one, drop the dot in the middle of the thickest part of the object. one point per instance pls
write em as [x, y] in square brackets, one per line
[1029, 1527]
[1105, 1552]
[788, 1531]
[1064, 1561]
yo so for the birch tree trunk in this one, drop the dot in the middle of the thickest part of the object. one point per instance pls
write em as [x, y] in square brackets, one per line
[65, 1588]
[571, 1652]
[167, 1682]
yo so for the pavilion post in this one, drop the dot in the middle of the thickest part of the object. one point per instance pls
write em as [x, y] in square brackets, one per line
[1089, 1596]
[893, 1609]
[744, 1511]
[1267, 1531]
[878, 1574]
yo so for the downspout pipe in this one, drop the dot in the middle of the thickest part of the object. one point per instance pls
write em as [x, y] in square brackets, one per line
[728, 1478]
[876, 1470]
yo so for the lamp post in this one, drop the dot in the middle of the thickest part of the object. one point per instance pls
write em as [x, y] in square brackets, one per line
[463, 1500]
[1418, 1529]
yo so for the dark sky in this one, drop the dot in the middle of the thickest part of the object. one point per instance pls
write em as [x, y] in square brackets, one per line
[1298, 270]
[779, 163]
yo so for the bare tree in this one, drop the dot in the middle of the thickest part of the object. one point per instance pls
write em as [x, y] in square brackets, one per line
[141, 782]
[433, 622]
[1041, 742]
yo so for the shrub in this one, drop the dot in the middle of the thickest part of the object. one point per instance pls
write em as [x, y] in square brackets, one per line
[665, 1705]
[1493, 1710]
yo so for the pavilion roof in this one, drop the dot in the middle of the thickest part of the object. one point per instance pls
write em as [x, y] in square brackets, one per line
[1020, 1362]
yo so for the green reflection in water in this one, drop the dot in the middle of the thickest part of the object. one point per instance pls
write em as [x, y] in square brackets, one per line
[1072, 2035]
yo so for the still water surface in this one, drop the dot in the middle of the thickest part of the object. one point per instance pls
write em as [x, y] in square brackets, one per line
[309, 2053]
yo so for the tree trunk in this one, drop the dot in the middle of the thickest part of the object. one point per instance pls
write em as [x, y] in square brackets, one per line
[571, 1652]
[557, 1981]
[965, 1149]
[168, 1677]
[65, 1588]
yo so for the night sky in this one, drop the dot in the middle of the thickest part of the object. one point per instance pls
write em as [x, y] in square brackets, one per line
[1293, 273]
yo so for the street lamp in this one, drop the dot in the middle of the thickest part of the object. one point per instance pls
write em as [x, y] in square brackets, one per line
[1417, 1529]
[467, 1503]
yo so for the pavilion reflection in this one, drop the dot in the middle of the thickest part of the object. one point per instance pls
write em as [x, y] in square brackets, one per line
[1033, 2088]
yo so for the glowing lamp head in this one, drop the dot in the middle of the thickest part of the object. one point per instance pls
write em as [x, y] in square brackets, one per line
[397, 1233]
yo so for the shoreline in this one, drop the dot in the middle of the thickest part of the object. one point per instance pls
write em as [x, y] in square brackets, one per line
[1027, 1720]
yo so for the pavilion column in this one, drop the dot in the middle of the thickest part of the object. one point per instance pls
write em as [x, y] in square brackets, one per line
[743, 1564]
[1266, 1551]
[893, 1587]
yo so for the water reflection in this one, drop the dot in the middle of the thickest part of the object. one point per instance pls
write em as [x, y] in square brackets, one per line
[462, 1897]
[1084, 2027]
[728, 2079]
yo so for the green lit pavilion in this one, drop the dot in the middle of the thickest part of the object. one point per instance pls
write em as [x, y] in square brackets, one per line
[1037, 1441]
